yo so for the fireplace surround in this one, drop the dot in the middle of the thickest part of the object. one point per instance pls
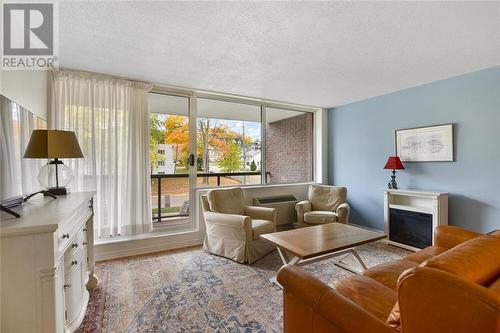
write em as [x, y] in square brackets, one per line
[411, 216]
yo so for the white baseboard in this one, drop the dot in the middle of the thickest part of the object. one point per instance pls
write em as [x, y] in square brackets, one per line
[367, 228]
[107, 251]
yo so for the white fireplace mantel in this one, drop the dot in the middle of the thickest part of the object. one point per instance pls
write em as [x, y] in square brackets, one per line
[434, 203]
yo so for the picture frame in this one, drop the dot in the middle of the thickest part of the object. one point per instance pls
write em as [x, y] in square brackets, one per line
[425, 144]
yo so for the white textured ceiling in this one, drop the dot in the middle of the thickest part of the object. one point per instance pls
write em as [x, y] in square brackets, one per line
[314, 53]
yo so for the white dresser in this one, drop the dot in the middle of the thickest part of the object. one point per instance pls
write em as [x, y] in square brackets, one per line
[46, 264]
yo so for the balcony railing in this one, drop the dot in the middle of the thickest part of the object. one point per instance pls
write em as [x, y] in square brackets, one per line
[170, 192]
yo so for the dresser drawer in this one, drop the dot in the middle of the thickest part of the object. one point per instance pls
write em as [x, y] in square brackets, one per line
[69, 232]
[76, 244]
[73, 293]
[73, 260]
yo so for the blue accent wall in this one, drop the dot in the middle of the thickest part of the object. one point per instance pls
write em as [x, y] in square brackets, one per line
[361, 137]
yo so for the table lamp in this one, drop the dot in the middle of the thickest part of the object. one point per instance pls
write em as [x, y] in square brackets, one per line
[54, 144]
[394, 163]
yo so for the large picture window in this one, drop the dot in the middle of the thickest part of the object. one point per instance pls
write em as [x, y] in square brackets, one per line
[228, 143]
[231, 144]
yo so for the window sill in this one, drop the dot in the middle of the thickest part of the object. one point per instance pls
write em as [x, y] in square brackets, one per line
[150, 235]
[200, 189]
[144, 244]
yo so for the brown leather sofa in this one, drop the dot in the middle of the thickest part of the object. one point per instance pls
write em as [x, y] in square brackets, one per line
[453, 286]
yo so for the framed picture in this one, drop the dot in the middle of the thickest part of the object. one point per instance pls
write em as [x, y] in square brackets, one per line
[425, 144]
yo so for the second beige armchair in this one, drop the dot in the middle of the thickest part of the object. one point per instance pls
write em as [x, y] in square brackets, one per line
[233, 229]
[325, 204]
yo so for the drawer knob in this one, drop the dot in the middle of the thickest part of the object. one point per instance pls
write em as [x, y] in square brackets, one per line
[66, 286]
[84, 229]
[65, 236]
[74, 262]
[84, 243]
[74, 245]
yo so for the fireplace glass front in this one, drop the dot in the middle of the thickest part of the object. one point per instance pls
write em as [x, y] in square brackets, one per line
[410, 228]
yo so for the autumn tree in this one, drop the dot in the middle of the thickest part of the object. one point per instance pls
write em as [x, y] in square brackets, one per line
[177, 133]
[212, 135]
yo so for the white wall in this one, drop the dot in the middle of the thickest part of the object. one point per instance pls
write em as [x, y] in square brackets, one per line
[27, 88]
[321, 144]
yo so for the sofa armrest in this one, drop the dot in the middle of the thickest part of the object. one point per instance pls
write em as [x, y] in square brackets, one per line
[448, 303]
[343, 213]
[302, 207]
[308, 301]
[448, 236]
[261, 213]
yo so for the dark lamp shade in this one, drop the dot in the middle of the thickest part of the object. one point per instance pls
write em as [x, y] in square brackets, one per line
[394, 163]
[53, 144]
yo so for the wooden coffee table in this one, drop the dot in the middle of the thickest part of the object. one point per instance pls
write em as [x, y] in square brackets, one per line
[311, 244]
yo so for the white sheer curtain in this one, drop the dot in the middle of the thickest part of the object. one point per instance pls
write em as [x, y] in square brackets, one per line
[111, 120]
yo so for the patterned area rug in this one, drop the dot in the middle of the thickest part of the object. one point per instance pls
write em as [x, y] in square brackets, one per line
[190, 290]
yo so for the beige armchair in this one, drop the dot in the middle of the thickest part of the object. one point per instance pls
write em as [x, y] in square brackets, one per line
[325, 204]
[233, 229]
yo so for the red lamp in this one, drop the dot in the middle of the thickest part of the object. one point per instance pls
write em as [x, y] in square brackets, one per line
[394, 163]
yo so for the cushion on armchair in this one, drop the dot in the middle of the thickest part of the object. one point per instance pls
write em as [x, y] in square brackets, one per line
[320, 217]
[260, 227]
[226, 201]
[327, 197]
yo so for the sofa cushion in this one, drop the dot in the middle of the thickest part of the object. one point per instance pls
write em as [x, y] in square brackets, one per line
[260, 227]
[320, 217]
[388, 273]
[427, 253]
[226, 201]
[369, 294]
[327, 197]
[477, 260]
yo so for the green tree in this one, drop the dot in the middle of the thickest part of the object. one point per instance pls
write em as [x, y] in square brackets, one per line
[156, 137]
[199, 163]
[231, 158]
[253, 166]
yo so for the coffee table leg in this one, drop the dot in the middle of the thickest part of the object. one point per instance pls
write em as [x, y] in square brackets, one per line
[286, 261]
[356, 255]
[283, 256]
[297, 261]
[360, 260]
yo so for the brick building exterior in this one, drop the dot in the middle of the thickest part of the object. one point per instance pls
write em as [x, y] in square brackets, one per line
[289, 149]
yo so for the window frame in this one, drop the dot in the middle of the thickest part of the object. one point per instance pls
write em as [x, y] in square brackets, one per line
[318, 150]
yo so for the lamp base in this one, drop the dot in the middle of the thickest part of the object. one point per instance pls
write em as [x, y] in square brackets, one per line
[57, 190]
[392, 184]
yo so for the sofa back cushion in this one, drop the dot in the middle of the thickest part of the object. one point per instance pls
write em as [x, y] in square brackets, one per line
[324, 197]
[477, 260]
[226, 201]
